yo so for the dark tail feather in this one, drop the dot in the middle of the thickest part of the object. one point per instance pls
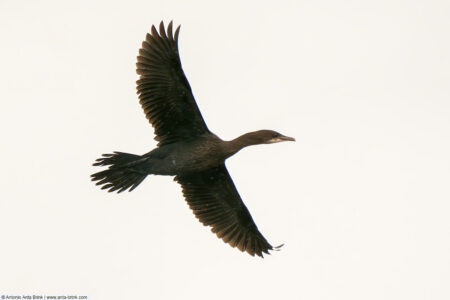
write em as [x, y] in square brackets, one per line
[122, 174]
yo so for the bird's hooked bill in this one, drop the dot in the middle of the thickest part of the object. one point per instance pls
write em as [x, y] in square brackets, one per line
[280, 138]
[287, 138]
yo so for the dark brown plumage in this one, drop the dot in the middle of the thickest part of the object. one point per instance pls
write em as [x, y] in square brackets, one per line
[186, 148]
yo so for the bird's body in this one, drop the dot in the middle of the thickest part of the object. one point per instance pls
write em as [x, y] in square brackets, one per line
[197, 155]
[186, 148]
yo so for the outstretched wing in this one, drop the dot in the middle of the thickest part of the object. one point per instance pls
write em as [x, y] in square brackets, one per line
[164, 92]
[215, 201]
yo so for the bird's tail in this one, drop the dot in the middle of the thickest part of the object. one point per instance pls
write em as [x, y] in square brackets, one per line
[123, 172]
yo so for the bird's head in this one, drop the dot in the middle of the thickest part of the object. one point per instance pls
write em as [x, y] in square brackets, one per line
[265, 137]
[270, 137]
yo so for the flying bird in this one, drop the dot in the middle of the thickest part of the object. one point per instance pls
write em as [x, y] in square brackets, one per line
[186, 149]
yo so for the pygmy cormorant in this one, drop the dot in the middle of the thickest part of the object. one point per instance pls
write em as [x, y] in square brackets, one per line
[186, 148]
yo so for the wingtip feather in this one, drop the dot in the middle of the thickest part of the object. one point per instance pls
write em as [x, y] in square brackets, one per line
[169, 30]
[177, 32]
[162, 30]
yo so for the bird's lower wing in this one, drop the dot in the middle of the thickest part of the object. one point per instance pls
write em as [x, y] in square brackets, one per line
[215, 201]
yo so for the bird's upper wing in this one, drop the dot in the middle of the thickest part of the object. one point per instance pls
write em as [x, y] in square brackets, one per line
[215, 202]
[164, 92]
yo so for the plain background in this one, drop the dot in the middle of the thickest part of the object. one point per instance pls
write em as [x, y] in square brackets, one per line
[361, 200]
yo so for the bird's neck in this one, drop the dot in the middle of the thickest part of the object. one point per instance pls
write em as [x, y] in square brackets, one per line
[240, 142]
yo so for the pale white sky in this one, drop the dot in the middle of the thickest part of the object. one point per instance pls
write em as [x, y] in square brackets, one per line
[361, 200]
